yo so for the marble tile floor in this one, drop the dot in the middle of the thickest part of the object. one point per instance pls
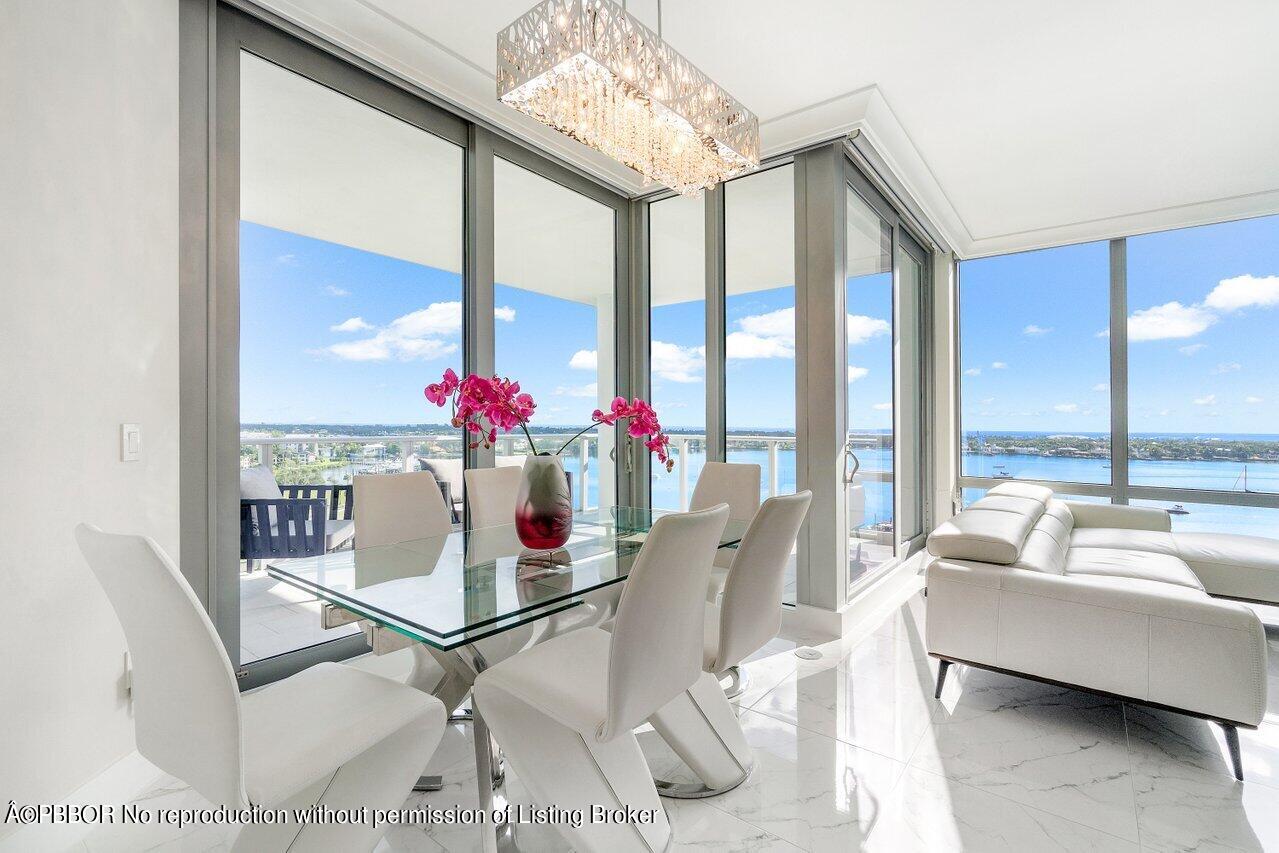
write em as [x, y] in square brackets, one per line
[854, 753]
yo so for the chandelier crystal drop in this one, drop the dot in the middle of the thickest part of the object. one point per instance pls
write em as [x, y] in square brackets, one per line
[592, 71]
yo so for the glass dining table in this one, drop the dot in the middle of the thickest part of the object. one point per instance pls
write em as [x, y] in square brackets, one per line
[461, 594]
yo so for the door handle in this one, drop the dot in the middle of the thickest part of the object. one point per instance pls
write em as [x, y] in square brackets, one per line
[849, 455]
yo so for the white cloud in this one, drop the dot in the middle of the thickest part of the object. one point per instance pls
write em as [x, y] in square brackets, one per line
[505, 313]
[1190, 349]
[1104, 333]
[1170, 320]
[590, 389]
[882, 407]
[973, 371]
[1066, 408]
[855, 373]
[355, 324]
[1033, 331]
[862, 328]
[438, 318]
[746, 345]
[775, 324]
[334, 290]
[416, 336]
[772, 335]
[676, 363]
[1252, 399]
[998, 365]
[1228, 367]
[1210, 400]
[1244, 291]
[288, 260]
[1101, 386]
[986, 401]
[584, 359]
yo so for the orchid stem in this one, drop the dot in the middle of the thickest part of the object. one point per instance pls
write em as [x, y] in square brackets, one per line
[531, 446]
[593, 425]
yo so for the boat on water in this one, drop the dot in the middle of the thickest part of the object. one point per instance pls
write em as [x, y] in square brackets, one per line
[1178, 509]
[1244, 478]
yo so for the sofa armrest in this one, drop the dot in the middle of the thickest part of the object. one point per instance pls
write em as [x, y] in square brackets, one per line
[1149, 641]
[1118, 516]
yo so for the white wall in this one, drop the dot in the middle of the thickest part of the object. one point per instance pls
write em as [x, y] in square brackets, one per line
[88, 340]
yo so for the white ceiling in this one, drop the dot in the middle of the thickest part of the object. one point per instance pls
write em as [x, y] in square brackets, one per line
[1014, 124]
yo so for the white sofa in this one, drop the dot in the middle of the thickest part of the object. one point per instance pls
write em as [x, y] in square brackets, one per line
[1104, 598]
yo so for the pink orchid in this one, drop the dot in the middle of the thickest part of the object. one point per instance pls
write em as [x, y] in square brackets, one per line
[485, 407]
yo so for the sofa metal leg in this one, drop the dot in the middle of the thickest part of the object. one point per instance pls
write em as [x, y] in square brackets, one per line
[1232, 744]
[941, 677]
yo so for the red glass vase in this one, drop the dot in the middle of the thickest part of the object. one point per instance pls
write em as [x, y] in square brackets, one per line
[543, 507]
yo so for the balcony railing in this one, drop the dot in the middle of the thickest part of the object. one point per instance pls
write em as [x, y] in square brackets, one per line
[307, 450]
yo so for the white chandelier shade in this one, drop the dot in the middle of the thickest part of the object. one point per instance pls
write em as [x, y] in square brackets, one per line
[592, 71]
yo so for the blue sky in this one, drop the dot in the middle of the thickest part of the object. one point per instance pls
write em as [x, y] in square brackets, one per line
[1203, 313]
[332, 334]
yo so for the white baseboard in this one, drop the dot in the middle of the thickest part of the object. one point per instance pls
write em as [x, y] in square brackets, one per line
[888, 590]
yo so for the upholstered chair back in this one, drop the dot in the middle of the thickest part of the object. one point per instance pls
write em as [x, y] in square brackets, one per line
[186, 704]
[656, 650]
[392, 508]
[490, 495]
[750, 612]
[732, 483]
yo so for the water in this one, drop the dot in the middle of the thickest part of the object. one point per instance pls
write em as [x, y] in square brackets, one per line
[1219, 475]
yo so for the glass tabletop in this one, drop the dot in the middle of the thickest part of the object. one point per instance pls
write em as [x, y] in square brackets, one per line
[451, 590]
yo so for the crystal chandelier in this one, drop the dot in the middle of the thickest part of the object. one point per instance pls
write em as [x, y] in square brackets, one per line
[590, 70]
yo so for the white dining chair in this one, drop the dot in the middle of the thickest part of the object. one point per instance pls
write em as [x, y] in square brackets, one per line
[490, 495]
[333, 735]
[748, 616]
[565, 710]
[736, 484]
[391, 508]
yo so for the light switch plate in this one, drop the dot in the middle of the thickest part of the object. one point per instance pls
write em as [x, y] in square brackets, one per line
[130, 442]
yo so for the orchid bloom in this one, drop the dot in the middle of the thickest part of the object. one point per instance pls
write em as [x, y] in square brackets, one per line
[483, 406]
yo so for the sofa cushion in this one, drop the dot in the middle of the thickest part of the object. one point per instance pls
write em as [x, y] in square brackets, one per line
[1231, 565]
[1132, 540]
[258, 483]
[991, 530]
[1141, 565]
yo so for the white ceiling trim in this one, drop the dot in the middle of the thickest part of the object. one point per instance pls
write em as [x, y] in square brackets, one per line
[1141, 222]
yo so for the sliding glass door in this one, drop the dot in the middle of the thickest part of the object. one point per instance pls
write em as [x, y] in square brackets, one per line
[350, 296]
[357, 231]
[883, 465]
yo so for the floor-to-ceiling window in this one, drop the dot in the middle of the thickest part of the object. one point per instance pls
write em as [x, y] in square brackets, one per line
[554, 329]
[677, 342]
[1035, 365]
[759, 330]
[759, 317]
[1203, 310]
[350, 302]
[1194, 349]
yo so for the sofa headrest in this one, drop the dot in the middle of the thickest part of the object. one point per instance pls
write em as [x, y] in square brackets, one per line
[1023, 490]
[993, 529]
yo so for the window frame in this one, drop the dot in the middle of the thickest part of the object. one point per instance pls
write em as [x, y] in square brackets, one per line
[1119, 490]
